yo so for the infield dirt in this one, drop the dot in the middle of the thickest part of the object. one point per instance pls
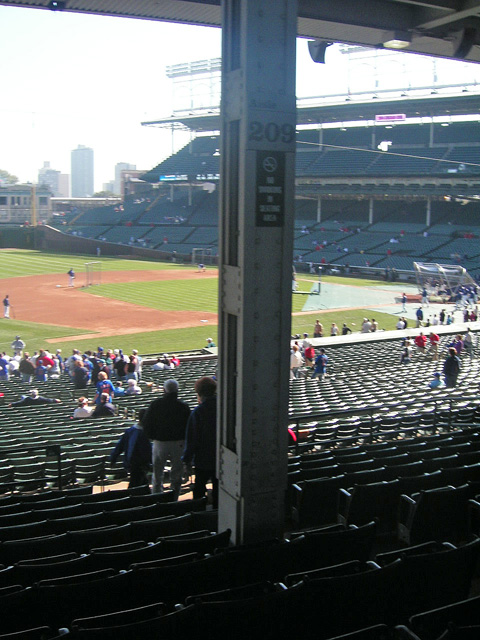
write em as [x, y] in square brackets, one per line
[48, 299]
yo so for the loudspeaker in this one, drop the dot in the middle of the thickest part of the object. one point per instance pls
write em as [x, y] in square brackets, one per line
[317, 50]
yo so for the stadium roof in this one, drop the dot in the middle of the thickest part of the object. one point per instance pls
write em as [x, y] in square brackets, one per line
[346, 111]
[444, 28]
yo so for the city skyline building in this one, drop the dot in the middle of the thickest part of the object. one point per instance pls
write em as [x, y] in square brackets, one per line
[64, 185]
[50, 178]
[109, 186]
[82, 172]
[119, 167]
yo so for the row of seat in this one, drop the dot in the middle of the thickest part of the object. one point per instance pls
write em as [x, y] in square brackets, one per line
[237, 592]
[368, 481]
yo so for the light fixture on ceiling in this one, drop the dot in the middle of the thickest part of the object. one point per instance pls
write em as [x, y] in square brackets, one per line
[56, 5]
[397, 40]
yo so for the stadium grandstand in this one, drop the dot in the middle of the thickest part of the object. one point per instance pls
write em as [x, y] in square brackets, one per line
[378, 499]
[356, 205]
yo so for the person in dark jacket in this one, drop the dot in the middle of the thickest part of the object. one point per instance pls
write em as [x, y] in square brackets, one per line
[201, 439]
[165, 423]
[451, 368]
[137, 450]
[105, 409]
[32, 399]
[80, 375]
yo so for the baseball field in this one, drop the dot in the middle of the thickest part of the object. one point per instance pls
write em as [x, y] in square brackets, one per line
[134, 304]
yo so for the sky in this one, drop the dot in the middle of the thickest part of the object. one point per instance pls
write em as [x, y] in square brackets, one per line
[70, 79]
[73, 79]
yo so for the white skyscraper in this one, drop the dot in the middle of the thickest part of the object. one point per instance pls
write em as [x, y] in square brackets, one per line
[82, 172]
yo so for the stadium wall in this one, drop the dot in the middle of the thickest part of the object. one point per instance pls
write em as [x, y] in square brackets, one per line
[18, 237]
[50, 239]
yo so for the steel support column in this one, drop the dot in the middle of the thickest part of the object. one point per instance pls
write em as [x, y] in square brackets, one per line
[255, 268]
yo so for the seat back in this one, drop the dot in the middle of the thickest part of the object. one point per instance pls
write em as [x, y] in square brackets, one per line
[440, 514]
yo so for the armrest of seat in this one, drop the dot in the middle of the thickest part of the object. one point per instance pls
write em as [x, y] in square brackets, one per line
[405, 510]
[296, 495]
[344, 499]
[474, 511]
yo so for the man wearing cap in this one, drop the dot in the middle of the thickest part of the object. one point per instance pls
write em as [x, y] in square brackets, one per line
[437, 381]
[6, 307]
[210, 344]
[83, 409]
[18, 345]
[165, 423]
[32, 399]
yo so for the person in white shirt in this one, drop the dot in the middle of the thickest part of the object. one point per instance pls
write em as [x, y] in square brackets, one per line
[83, 410]
[366, 326]
[296, 361]
[138, 364]
[132, 388]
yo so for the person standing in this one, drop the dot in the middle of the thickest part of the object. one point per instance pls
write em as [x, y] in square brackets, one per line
[404, 302]
[419, 314]
[296, 361]
[366, 326]
[6, 307]
[318, 330]
[165, 423]
[104, 385]
[468, 342]
[137, 450]
[434, 342]
[425, 297]
[346, 330]
[451, 368]
[320, 365]
[80, 375]
[26, 368]
[18, 345]
[201, 439]
[421, 342]
[71, 277]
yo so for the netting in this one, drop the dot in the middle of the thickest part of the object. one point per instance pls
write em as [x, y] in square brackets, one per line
[93, 273]
[443, 281]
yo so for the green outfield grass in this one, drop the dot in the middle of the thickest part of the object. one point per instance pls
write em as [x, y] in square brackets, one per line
[168, 295]
[33, 334]
[197, 295]
[17, 262]
[353, 319]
